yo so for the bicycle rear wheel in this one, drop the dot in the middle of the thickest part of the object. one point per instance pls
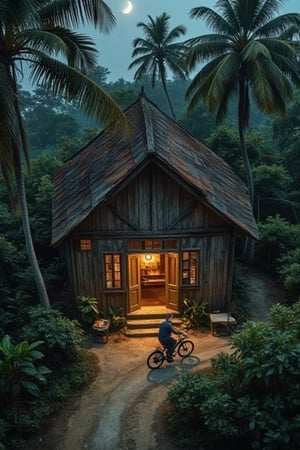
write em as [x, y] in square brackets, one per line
[155, 359]
[185, 348]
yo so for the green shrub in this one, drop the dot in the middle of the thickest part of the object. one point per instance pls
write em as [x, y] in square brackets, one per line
[20, 420]
[286, 318]
[289, 271]
[277, 238]
[194, 313]
[62, 337]
[249, 399]
[70, 378]
[240, 293]
[88, 309]
[19, 370]
[116, 316]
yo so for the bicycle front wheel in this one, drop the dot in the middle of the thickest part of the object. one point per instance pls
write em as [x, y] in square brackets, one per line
[185, 348]
[155, 359]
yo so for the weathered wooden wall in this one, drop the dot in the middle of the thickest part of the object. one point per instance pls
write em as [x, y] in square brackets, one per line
[154, 205]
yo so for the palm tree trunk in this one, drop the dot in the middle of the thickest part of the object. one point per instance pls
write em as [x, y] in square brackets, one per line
[168, 98]
[249, 244]
[40, 284]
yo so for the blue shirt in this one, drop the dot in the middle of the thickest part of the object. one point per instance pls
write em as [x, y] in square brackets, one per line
[165, 330]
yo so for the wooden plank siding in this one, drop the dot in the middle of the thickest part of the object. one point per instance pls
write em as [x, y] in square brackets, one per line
[158, 183]
[151, 202]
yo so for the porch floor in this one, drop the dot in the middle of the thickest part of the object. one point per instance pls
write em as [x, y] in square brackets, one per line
[152, 309]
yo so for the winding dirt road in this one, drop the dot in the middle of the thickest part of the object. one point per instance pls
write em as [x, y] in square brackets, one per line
[124, 408]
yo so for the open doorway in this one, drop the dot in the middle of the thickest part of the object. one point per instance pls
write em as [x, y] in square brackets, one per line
[153, 279]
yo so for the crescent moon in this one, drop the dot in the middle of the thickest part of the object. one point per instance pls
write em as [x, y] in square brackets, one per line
[127, 8]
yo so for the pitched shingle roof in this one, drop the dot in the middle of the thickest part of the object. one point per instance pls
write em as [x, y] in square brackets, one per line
[90, 176]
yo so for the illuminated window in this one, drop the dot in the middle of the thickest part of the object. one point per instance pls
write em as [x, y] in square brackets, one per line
[153, 244]
[112, 271]
[135, 245]
[150, 245]
[171, 244]
[190, 268]
[85, 245]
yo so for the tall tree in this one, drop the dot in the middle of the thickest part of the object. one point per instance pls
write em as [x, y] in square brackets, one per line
[37, 35]
[158, 52]
[251, 50]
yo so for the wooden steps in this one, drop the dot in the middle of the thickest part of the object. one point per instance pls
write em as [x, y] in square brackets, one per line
[147, 324]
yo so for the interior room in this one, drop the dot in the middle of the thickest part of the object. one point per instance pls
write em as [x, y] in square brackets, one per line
[153, 279]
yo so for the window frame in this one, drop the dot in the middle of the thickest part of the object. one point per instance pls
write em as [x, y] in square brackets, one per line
[114, 274]
[190, 268]
[85, 245]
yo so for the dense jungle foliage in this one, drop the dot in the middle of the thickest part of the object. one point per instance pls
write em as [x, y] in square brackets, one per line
[46, 367]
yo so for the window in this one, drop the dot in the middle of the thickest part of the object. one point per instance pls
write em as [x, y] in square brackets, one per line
[190, 268]
[85, 245]
[112, 271]
[152, 245]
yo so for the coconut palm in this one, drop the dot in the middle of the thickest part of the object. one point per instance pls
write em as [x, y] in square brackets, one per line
[37, 35]
[158, 52]
[252, 50]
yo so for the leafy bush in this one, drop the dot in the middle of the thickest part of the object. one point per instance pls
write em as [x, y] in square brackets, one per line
[116, 316]
[13, 317]
[19, 371]
[277, 238]
[70, 378]
[286, 318]
[289, 270]
[194, 313]
[250, 398]
[240, 293]
[88, 309]
[61, 336]
[22, 420]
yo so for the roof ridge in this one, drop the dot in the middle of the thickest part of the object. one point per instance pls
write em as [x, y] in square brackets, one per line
[148, 125]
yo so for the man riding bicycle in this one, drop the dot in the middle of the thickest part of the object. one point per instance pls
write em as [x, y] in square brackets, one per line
[164, 336]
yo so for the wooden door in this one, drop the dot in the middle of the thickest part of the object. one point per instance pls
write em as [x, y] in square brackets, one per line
[172, 277]
[134, 287]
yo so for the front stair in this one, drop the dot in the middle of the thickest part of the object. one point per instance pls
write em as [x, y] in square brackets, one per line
[145, 322]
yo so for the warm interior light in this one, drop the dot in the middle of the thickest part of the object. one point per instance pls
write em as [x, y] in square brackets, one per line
[148, 257]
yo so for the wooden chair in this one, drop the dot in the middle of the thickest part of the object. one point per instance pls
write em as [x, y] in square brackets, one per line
[221, 322]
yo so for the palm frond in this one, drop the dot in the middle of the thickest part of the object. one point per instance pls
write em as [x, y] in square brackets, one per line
[206, 50]
[144, 64]
[211, 81]
[73, 13]
[277, 26]
[270, 88]
[68, 82]
[264, 11]
[18, 12]
[213, 20]
[77, 49]
[253, 50]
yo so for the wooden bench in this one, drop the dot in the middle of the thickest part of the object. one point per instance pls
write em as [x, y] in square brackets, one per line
[221, 321]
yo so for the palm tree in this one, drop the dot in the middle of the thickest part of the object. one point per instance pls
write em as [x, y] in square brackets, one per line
[157, 52]
[37, 35]
[252, 50]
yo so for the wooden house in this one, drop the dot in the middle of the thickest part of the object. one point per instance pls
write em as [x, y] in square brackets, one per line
[148, 217]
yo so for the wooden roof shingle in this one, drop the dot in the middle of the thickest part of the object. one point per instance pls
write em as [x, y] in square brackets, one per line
[88, 178]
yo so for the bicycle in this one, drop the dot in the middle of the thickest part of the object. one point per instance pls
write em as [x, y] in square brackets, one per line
[184, 347]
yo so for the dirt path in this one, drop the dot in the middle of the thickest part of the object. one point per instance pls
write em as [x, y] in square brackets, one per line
[124, 407]
[264, 293]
